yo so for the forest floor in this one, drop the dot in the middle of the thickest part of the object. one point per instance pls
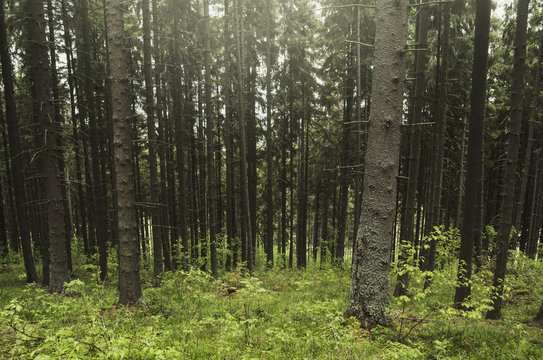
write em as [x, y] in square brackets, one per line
[275, 314]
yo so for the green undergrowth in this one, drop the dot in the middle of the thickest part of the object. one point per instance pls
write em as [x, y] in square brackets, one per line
[274, 314]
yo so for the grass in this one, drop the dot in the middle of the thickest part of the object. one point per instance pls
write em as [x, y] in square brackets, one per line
[276, 314]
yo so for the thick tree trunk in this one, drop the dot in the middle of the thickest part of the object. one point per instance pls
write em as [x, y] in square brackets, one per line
[58, 120]
[475, 143]
[42, 107]
[129, 270]
[370, 290]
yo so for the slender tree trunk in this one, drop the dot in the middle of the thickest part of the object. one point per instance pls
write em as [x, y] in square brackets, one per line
[316, 226]
[82, 229]
[15, 150]
[358, 135]
[231, 256]
[408, 220]
[506, 216]
[3, 230]
[531, 246]
[369, 297]
[269, 146]
[242, 140]
[530, 145]
[162, 143]
[325, 211]
[475, 143]
[283, 183]
[461, 177]
[344, 171]
[180, 130]
[210, 128]
[89, 111]
[439, 140]
[301, 192]
[129, 271]
[14, 242]
[151, 134]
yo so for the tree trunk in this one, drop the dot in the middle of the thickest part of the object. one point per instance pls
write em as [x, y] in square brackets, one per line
[57, 119]
[162, 143]
[81, 206]
[301, 192]
[531, 245]
[129, 270]
[475, 143]
[529, 146]
[242, 140]
[88, 110]
[407, 229]
[358, 135]
[151, 134]
[515, 125]
[15, 151]
[210, 128]
[231, 257]
[180, 130]
[42, 107]
[369, 296]
[3, 230]
[269, 146]
[344, 171]
[439, 141]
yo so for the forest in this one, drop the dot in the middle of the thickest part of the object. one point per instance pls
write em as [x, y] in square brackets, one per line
[271, 179]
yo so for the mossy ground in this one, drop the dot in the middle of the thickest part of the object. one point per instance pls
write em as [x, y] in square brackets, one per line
[275, 314]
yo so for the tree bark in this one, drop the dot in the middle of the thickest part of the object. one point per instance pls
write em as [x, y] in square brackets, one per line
[180, 134]
[510, 176]
[210, 128]
[15, 150]
[407, 229]
[369, 296]
[269, 145]
[151, 134]
[242, 138]
[475, 143]
[42, 107]
[129, 270]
